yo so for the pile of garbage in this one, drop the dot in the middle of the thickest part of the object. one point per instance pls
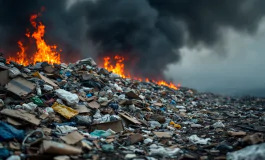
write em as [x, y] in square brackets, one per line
[81, 111]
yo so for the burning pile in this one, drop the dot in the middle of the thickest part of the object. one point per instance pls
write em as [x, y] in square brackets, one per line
[50, 55]
[44, 51]
[118, 68]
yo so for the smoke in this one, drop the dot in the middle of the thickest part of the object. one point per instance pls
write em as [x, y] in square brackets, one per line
[149, 33]
[152, 31]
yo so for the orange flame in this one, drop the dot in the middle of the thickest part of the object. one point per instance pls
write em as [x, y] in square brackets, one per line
[44, 52]
[21, 56]
[118, 68]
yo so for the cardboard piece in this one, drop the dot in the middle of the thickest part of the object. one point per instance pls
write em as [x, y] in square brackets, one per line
[72, 138]
[91, 98]
[94, 105]
[129, 118]
[232, 133]
[116, 126]
[4, 74]
[13, 122]
[82, 109]
[52, 147]
[126, 102]
[47, 80]
[132, 95]
[85, 145]
[14, 145]
[48, 69]
[134, 138]
[20, 86]
[158, 104]
[105, 104]
[82, 98]
[163, 134]
[21, 114]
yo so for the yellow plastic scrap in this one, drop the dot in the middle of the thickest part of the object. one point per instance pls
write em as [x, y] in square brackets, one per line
[65, 111]
[175, 125]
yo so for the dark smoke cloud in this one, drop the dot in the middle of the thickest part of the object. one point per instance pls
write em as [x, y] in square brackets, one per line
[147, 32]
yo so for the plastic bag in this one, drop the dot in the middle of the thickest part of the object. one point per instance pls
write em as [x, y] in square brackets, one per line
[4, 153]
[37, 101]
[117, 87]
[107, 147]
[1, 103]
[8, 132]
[114, 106]
[218, 124]
[148, 140]
[69, 97]
[38, 90]
[195, 139]
[161, 151]
[65, 129]
[47, 87]
[154, 124]
[102, 99]
[102, 133]
[83, 120]
[13, 157]
[29, 107]
[254, 152]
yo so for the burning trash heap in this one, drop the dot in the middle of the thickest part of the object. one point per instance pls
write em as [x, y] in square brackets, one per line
[82, 111]
[53, 110]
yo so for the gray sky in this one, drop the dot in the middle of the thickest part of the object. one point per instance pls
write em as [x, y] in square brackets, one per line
[241, 71]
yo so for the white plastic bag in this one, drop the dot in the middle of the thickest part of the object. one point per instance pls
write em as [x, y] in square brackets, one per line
[218, 124]
[197, 140]
[161, 151]
[47, 87]
[69, 97]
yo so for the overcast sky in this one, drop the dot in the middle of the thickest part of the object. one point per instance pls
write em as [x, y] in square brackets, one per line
[241, 71]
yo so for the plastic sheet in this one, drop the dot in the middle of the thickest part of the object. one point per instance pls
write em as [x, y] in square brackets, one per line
[195, 139]
[69, 97]
[65, 111]
[254, 152]
[8, 132]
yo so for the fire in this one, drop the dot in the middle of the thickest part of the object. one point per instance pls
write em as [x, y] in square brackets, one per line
[21, 56]
[44, 53]
[118, 68]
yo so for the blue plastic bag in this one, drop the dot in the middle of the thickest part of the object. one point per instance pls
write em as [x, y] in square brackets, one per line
[68, 74]
[4, 153]
[89, 95]
[100, 133]
[8, 132]
[114, 106]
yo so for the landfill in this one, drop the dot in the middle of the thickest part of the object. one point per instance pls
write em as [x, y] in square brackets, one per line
[81, 111]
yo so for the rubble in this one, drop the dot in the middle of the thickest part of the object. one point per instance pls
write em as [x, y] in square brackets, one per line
[82, 111]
